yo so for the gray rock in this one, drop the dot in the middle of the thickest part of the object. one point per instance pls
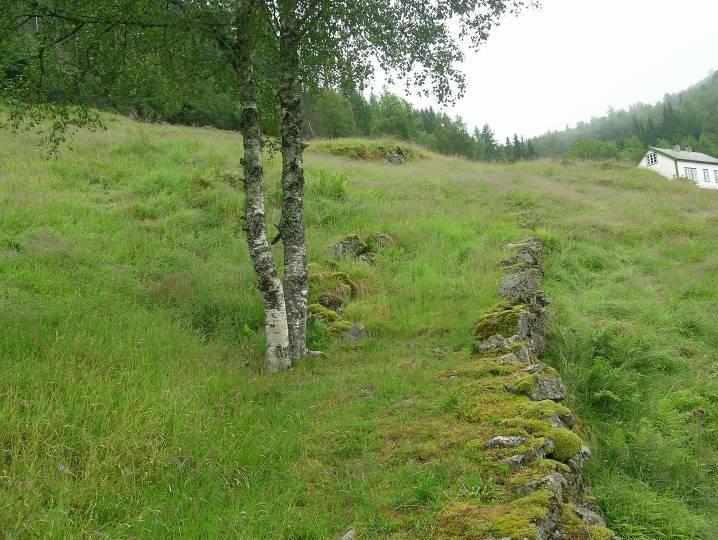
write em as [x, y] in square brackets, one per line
[355, 333]
[367, 257]
[532, 245]
[512, 358]
[494, 343]
[547, 387]
[516, 461]
[578, 461]
[395, 157]
[589, 517]
[351, 534]
[547, 527]
[505, 442]
[381, 240]
[520, 285]
[523, 258]
[556, 483]
[535, 368]
[349, 247]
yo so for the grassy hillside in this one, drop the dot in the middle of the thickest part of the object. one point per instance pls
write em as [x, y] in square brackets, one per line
[130, 341]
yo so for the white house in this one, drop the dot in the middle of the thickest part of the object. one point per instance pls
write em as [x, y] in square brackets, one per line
[683, 163]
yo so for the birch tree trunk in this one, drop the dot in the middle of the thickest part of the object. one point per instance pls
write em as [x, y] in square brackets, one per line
[292, 228]
[270, 286]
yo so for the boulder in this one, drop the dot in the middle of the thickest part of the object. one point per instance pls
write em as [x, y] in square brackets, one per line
[506, 321]
[520, 285]
[504, 442]
[492, 344]
[546, 384]
[556, 483]
[350, 247]
[354, 333]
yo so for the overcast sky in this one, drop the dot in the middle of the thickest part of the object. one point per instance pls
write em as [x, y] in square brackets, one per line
[573, 59]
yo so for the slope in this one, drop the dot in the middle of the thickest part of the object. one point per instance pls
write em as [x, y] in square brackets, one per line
[132, 401]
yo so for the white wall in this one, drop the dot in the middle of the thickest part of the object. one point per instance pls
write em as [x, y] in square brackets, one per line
[667, 167]
[700, 182]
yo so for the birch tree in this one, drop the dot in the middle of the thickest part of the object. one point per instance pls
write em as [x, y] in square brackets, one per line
[314, 43]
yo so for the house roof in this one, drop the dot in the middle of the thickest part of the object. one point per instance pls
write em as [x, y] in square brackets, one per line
[681, 155]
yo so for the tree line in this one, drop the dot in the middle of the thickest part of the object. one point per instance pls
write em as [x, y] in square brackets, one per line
[688, 118]
[332, 113]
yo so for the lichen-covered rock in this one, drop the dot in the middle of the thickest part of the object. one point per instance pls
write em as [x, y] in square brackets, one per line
[354, 333]
[557, 415]
[379, 240]
[578, 461]
[504, 442]
[546, 384]
[396, 157]
[523, 260]
[520, 285]
[588, 516]
[556, 483]
[531, 245]
[512, 358]
[351, 246]
[492, 344]
[566, 443]
[504, 320]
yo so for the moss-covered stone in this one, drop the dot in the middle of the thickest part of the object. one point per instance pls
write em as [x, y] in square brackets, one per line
[545, 385]
[340, 326]
[519, 519]
[524, 515]
[566, 444]
[572, 526]
[322, 312]
[504, 320]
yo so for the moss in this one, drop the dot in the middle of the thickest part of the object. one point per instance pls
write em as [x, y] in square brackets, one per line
[488, 406]
[524, 513]
[504, 320]
[566, 443]
[526, 385]
[340, 326]
[328, 315]
[597, 532]
[545, 409]
[573, 526]
[331, 300]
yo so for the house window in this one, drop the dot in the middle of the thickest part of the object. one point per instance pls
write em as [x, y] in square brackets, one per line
[706, 175]
[651, 159]
[716, 173]
[691, 173]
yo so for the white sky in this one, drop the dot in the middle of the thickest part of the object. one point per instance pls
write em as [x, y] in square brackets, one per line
[573, 59]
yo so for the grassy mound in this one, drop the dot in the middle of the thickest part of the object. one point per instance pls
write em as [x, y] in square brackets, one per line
[130, 339]
[368, 149]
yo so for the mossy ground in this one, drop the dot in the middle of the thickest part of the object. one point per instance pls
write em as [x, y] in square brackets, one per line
[132, 403]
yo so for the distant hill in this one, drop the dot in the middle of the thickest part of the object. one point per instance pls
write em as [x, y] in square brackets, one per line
[689, 117]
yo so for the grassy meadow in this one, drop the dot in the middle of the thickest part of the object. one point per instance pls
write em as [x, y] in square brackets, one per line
[132, 404]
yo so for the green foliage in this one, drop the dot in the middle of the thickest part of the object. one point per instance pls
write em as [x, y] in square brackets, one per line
[594, 150]
[331, 116]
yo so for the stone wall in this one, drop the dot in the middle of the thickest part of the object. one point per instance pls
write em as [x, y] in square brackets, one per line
[524, 432]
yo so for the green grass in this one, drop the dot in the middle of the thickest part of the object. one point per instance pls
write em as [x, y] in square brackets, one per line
[131, 399]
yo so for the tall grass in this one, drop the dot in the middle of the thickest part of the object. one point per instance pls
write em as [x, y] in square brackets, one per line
[130, 341]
